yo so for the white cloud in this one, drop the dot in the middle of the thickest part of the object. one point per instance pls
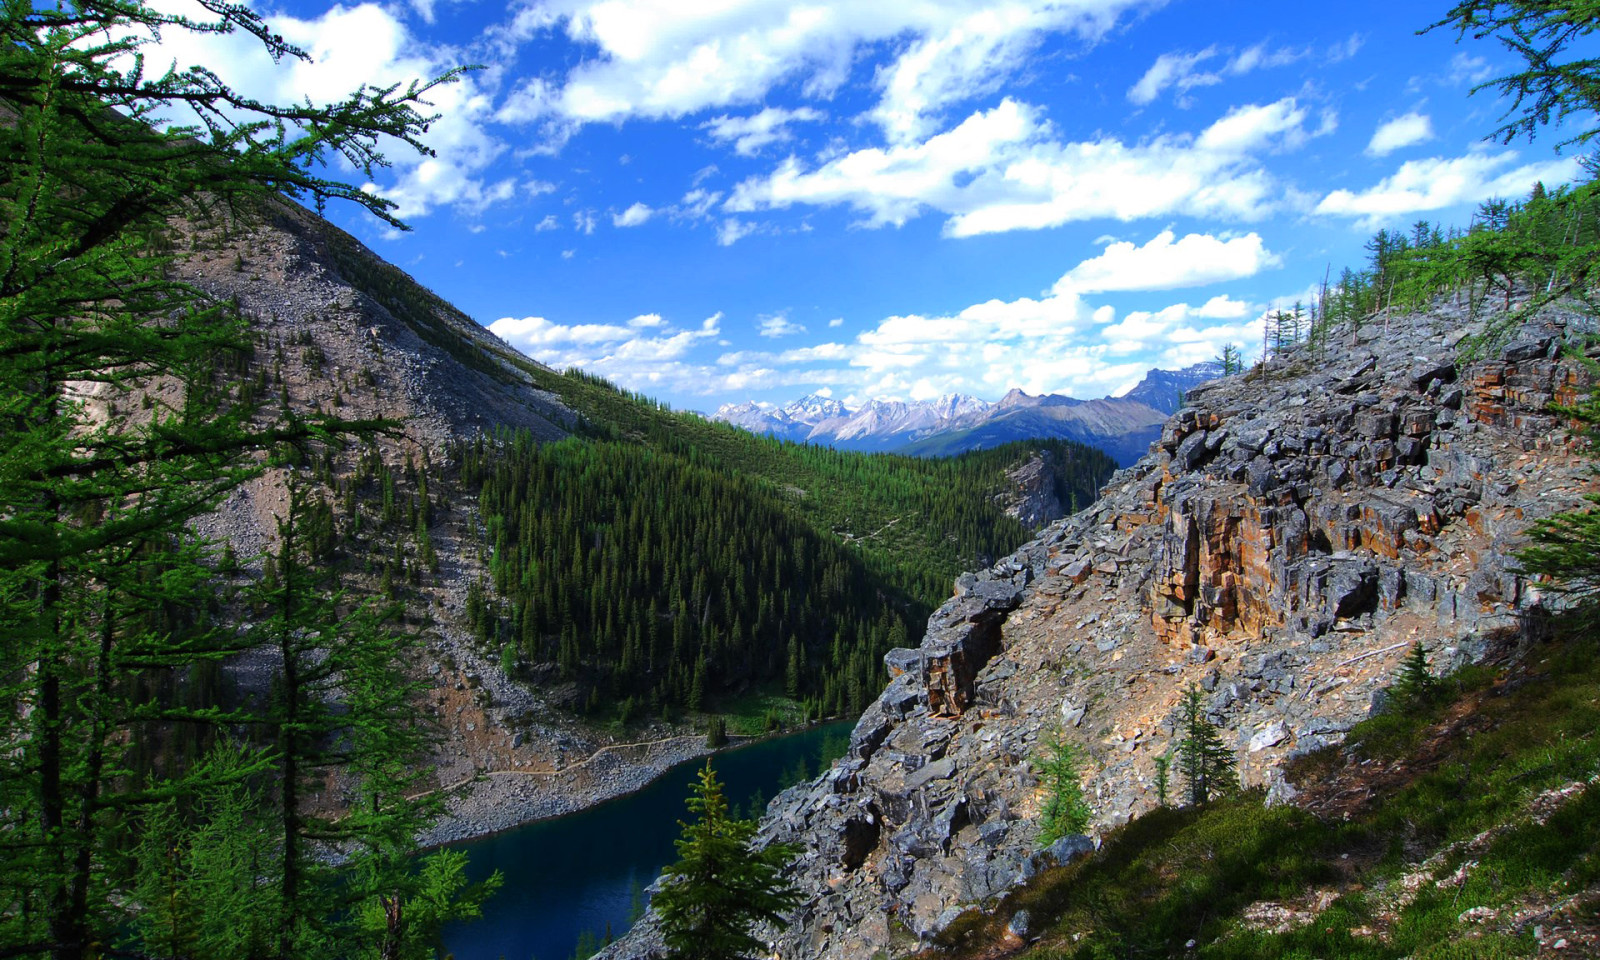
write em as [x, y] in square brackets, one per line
[1055, 344]
[548, 223]
[633, 216]
[1181, 72]
[535, 332]
[628, 352]
[1166, 263]
[733, 230]
[779, 326]
[1001, 170]
[1180, 335]
[653, 59]
[1259, 57]
[1273, 126]
[583, 221]
[352, 46]
[1401, 132]
[972, 56]
[1176, 70]
[1467, 69]
[836, 322]
[1439, 182]
[749, 134]
[568, 254]
[697, 204]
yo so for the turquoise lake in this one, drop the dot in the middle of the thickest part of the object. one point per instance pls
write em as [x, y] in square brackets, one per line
[578, 876]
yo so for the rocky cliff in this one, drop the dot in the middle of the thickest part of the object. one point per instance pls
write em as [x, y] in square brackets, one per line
[1295, 530]
[337, 329]
[1030, 494]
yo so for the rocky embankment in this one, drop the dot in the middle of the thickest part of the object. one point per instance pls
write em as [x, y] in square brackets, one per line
[504, 799]
[339, 331]
[1296, 529]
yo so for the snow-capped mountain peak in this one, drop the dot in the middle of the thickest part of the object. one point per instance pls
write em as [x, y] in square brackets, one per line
[883, 424]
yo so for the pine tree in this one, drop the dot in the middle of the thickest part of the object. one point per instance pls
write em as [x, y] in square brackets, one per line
[1163, 777]
[1204, 761]
[721, 885]
[1414, 686]
[1231, 360]
[717, 731]
[101, 579]
[1552, 87]
[1064, 811]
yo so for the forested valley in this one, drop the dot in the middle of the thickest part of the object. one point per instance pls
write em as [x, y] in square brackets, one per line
[662, 579]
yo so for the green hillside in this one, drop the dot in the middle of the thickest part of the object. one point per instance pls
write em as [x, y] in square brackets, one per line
[660, 560]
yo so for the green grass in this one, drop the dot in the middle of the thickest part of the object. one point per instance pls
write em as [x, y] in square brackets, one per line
[747, 713]
[1474, 764]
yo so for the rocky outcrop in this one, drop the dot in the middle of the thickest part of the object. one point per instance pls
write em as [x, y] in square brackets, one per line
[1289, 537]
[1030, 493]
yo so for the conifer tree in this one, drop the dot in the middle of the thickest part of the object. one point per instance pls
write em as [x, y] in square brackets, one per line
[721, 886]
[1414, 686]
[1163, 778]
[207, 869]
[1231, 360]
[1204, 761]
[1064, 811]
[100, 578]
[1555, 83]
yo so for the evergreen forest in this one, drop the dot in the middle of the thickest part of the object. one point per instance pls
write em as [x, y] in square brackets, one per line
[664, 574]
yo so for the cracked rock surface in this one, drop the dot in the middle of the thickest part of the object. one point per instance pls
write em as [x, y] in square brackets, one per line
[1295, 530]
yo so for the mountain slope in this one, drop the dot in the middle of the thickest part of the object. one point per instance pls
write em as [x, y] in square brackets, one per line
[1164, 390]
[1123, 428]
[1297, 529]
[337, 329]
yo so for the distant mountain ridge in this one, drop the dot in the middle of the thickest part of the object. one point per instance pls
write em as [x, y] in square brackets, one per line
[1121, 426]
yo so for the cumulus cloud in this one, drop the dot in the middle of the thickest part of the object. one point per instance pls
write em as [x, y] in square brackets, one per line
[1406, 131]
[548, 223]
[1167, 263]
[1177, 70]
[1002, 169]
[352, 46]
[663, 60]
[1277, 125]
[1058, 343]
[630, 352]
[1439, 182]
[779, 326]
[633, 216]
[531, 333]
[749, 134]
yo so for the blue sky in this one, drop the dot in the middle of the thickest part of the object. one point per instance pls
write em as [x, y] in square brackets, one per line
[724, 200]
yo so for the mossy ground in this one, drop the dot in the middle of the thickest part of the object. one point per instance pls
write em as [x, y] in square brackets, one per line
[1482, 801]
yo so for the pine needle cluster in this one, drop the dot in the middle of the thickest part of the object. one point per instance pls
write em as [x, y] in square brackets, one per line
[722, 885]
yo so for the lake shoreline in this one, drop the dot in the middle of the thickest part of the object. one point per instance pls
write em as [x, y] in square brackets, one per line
[502, 800]
[567, 877]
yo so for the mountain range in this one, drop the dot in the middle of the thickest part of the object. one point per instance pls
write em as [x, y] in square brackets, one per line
[1122, 426]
